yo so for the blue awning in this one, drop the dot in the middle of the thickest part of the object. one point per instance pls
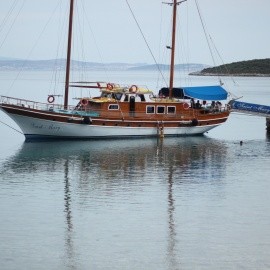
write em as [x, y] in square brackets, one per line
[206, 92]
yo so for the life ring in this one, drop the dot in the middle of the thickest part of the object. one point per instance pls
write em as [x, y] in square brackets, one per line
[133, 88]
[84, 102]
[50, 99]
[185, 106]
[109, 86]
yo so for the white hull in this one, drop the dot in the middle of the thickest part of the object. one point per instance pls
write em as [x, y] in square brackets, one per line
[34, 128]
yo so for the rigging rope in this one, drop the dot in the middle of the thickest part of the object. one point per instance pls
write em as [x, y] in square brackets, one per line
[95, 42]
[32, 49]
[8, 15]
[213, 47]
[206, 36]
[225, 66]
[14, 20]
[56, 75]
[133, 15]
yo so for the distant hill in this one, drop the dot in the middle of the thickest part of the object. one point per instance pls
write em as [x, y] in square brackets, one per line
[9, 64]
[183, 67]
[8, 58]
[60, 64]
[256, 67]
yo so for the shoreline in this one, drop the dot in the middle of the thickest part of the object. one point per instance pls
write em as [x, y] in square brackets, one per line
[229, 74]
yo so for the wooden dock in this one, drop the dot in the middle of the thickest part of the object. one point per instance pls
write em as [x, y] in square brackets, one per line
[268, 125]
[252, 109]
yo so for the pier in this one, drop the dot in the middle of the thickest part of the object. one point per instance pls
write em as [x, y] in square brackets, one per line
[268, 125]
[252, 109]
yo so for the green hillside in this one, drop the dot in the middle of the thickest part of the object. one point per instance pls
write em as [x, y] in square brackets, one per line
[256, 67]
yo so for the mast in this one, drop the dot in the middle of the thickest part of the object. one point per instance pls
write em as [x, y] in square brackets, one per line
[68, 53]
[174, 4]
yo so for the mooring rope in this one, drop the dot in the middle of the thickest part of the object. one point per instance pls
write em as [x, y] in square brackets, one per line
[11, 127]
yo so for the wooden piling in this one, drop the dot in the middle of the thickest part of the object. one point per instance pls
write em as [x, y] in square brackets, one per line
[268, 124]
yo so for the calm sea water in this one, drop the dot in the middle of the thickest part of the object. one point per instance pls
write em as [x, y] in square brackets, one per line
[177, 203]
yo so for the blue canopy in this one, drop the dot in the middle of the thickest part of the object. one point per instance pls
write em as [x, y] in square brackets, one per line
[206, 92]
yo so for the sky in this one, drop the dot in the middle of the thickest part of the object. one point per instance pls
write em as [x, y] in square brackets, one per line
[36, 29]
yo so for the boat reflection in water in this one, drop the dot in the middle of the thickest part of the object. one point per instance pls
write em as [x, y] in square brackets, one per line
[118, 162]
[95, 174]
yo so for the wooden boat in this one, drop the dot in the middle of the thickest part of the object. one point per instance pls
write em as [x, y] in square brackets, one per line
[121, 110]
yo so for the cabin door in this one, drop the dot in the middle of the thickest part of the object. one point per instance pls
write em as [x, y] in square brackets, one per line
[132, 106]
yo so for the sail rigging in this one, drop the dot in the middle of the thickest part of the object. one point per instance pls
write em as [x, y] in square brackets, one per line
[144, 38]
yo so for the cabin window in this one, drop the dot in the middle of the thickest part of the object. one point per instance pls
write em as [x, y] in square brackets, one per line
[150, 109]
[113, 107]
[171, 109]
[160, 109]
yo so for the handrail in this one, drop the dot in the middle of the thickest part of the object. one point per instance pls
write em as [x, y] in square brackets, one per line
[32, 104]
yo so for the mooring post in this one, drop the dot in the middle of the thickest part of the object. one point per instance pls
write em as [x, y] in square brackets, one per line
[268, 124]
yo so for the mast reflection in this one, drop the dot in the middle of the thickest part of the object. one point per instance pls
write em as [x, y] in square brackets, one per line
[171, 222]
[68, 214]
[172, 235]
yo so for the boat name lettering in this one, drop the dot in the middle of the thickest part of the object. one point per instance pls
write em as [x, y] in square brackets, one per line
[53, 127]
[37, 126]
[50, 127]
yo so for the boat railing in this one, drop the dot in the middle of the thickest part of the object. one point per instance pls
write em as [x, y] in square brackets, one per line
[211, 110]
[30, 104]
